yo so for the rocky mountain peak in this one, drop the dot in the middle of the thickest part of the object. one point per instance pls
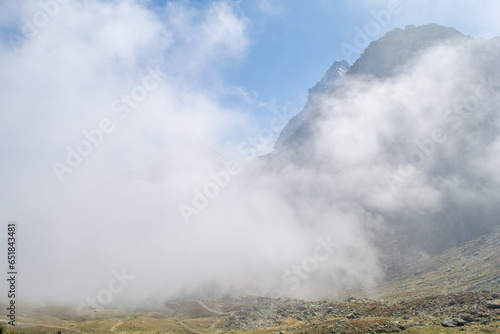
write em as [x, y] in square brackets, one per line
[329, 81]
[385, 56]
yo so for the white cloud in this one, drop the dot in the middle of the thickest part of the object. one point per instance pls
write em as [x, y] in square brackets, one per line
[119, 208]
[64, 80]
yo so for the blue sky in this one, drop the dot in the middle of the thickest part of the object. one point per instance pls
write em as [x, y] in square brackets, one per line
[253, 55]
[282, 49]
[293, 42]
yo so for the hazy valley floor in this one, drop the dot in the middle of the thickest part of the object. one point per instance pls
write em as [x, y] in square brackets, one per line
[456, 291]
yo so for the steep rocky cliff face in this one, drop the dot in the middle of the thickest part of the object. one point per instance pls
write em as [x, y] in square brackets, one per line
[409, 134]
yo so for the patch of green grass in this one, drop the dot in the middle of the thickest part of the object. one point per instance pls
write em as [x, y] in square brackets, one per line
[3, 330]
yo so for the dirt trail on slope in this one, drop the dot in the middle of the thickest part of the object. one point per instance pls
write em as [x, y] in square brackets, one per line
[205, 306]
[186, 327]
[112, 329]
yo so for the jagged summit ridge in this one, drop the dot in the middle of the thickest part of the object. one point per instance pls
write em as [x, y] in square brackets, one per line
[330, 80]
[382, 58]
[387, 55]
[376, 121]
